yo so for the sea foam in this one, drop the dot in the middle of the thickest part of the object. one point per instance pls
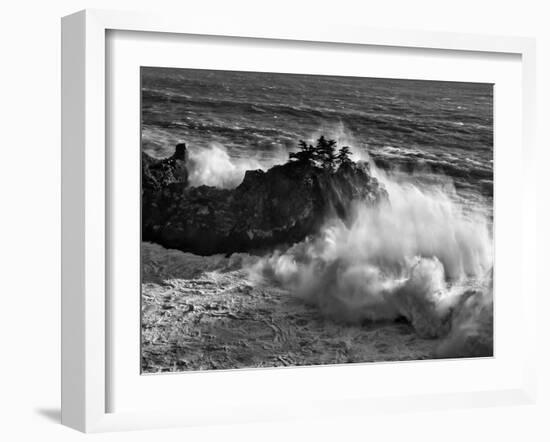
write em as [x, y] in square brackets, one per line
[213, 166]
[420, 256]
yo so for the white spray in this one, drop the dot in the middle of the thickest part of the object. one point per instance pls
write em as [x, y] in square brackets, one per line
[421, 256]
[213, 166]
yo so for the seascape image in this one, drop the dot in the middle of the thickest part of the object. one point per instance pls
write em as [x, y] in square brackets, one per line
[296, 220]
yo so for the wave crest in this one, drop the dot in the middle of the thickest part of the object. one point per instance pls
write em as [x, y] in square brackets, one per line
[420, 256]
[213, 166]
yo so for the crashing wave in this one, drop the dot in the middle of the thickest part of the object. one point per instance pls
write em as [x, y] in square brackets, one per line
[418, 256]
[421, 254]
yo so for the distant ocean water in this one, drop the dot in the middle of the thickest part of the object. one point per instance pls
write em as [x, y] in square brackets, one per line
[426, 126]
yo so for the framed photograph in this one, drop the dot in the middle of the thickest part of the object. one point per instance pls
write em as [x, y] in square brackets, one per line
[264, 222]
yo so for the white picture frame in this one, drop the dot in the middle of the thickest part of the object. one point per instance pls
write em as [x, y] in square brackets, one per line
[85, 307]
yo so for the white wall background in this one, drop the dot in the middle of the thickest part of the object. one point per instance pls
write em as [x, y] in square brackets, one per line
[30, 216]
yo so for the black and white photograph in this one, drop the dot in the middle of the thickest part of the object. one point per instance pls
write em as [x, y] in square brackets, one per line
[301, 220]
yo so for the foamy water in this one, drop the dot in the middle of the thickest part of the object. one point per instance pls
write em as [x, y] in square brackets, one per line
[426, 256]
[418, 256]
[213, 166]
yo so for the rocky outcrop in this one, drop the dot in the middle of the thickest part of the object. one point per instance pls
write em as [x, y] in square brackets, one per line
[157, 174]
[280, 206]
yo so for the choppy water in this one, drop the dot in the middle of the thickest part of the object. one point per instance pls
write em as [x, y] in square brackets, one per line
[446, 127]
[417, 257]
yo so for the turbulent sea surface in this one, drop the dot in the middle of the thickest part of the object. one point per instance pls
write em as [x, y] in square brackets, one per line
[409, 124]
[427, 257]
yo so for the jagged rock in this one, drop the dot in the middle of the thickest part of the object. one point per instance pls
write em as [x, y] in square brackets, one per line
[157, 174]
[280, 206]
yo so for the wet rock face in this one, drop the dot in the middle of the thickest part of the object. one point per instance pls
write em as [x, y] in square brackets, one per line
[280, 206]
[157, 174]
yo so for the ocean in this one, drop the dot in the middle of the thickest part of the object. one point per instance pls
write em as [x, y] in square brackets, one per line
[407, 279]
[431, 127]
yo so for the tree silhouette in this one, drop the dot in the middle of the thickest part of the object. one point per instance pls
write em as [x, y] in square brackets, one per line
[326, 149]
[323, 154]
[343, 156]
[306, 154]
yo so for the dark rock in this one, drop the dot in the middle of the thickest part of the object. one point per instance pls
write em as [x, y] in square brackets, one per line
[280, 206]
[157, 174]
